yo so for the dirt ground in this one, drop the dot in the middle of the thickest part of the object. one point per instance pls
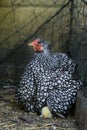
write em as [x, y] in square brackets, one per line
[13, 118]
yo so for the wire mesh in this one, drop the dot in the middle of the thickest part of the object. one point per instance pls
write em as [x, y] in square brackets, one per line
[60, 22]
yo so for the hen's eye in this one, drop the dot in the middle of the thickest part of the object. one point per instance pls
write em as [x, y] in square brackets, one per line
[37, 44]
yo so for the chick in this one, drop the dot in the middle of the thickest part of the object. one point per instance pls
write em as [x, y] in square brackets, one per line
[46, 113]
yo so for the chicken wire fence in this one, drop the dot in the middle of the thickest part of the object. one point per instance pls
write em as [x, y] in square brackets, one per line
[58, 26]
[60, 22]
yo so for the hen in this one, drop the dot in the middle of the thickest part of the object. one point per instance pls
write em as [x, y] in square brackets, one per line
[47, 81]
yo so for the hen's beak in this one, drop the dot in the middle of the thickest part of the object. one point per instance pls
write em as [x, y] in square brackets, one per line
[30, 44]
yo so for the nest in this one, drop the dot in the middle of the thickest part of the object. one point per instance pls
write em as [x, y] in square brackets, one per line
[13, 118]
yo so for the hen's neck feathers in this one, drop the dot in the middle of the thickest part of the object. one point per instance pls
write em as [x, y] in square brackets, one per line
[46, 52]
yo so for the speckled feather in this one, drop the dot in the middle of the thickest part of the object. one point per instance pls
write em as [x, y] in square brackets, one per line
[47, 80]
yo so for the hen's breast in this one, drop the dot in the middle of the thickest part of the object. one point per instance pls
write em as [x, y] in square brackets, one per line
[47, 80]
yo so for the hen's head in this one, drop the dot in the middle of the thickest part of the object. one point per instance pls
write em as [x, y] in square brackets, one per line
[39, 45]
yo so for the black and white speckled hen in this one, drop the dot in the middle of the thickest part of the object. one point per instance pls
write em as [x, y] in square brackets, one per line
[47, 81]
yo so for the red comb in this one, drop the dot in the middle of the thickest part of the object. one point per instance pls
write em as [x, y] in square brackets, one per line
[36, 41]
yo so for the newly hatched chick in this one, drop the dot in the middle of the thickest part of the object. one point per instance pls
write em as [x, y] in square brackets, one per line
[46, 113]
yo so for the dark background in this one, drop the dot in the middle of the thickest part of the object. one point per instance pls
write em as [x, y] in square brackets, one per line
[62, 23]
